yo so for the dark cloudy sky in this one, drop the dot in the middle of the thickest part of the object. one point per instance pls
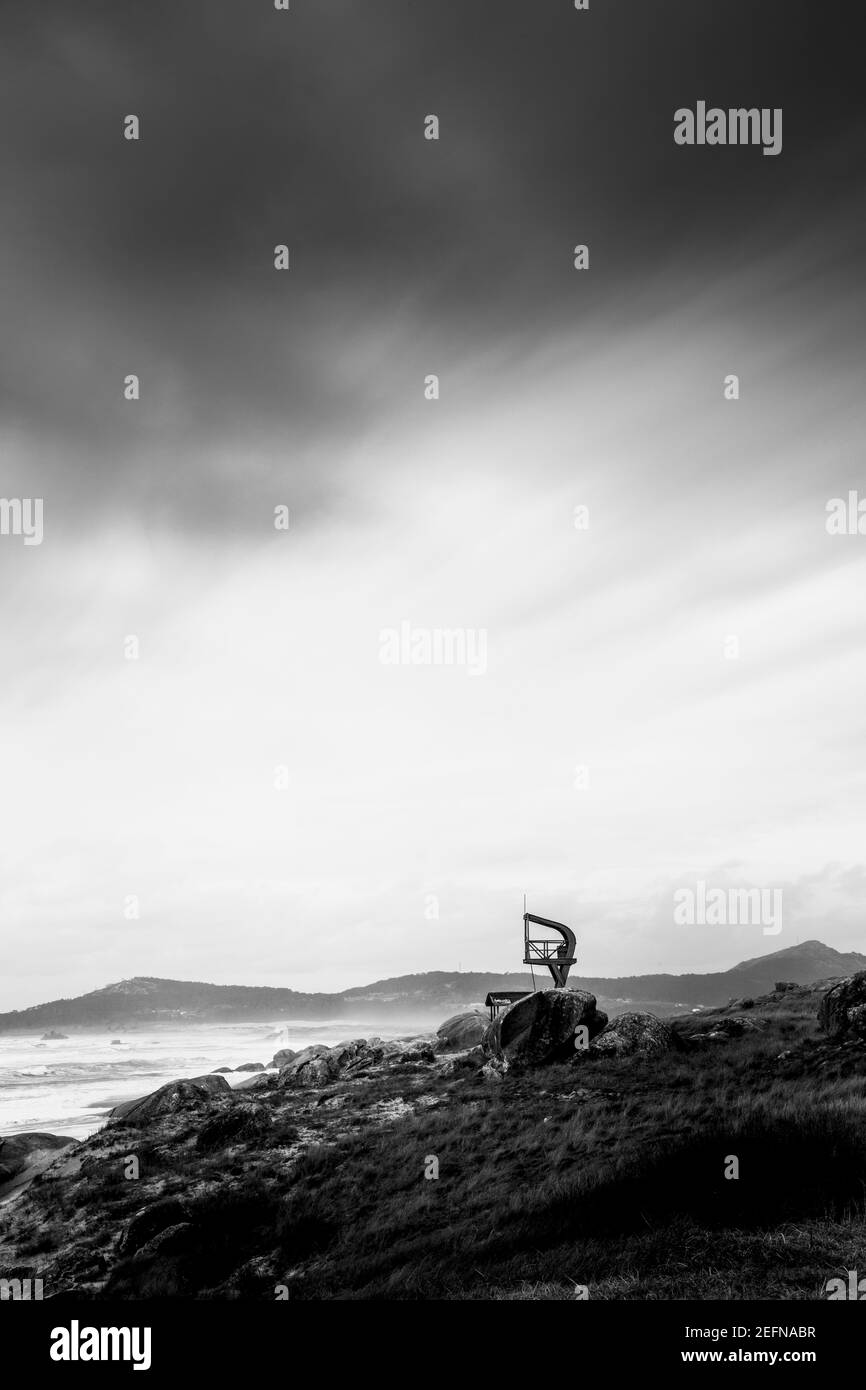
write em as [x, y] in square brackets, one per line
[558, 388]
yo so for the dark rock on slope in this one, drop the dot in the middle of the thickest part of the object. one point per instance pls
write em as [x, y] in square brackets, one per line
[842, 1011]
[461, 1032]
[174, 1095]
[260, 1081]
[541, 1027]
[239, 1123]
[150, 1221]
[314, 1066]
[22, 1156]
[635, 1032]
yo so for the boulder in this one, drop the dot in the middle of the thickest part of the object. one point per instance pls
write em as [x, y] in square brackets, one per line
[540, 1027]
[260, 1081]
[251, 1066]
[370, 1052]
[318, 1065]
[150, 1221]
[635, 1032]
[18, 1150]
[416, 1052]
[842, 1011]
[493, 1070]
[857, 1020]
[212, 1082]
[181, 1239]
[235, 1124]
[315, 1066]
[52, 1035]
[317, 1072]
[283, 1057]
[24, 1155]
[461, 1063]
[173, 1096]
[736, 1027]
[345, 1053]
[221, 1071]
[462, 1032]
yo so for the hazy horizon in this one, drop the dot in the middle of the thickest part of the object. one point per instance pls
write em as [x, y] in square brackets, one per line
[430, 1011]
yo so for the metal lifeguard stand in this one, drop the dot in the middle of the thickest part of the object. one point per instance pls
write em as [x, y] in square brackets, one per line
[558, 956]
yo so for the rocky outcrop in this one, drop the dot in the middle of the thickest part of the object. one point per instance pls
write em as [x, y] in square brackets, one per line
[283, 1057]
[17, 1150]
[53, 1036]
[347, 1054]
[173, 1096]
[22, 1156]
[237, 1124]
[842, 1011]
[314, 1066]
[319, 1065]
[259, 1081]
[317, 1072]
[419, 1050]
[634, 1032]
[735, 1027]
[251, 1066]
[462, 1032]
[464, 1063]
[150, 1221]
[718, 1026]
[174, 1240]
[541, 1028]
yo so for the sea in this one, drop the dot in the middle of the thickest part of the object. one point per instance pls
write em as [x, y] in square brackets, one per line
[68, 1085]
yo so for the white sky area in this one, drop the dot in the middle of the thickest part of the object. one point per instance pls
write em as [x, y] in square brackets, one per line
[605, 648]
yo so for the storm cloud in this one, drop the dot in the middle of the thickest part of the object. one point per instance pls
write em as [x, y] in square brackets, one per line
[559, 388]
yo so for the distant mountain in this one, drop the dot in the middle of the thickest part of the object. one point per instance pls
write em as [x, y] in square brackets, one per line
[809, 955]
[804, 964]
[146, 1001]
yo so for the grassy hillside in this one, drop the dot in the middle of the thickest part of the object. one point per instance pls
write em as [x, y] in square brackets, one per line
[605, 1173]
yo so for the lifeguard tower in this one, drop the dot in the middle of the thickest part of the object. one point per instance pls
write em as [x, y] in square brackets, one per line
[557, 953]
